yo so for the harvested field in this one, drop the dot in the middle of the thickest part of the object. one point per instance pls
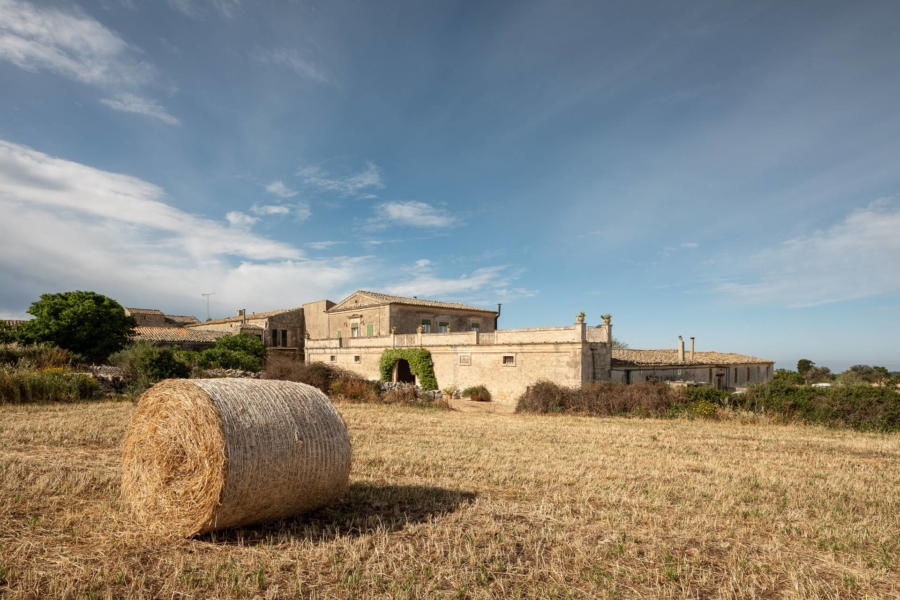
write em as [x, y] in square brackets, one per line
[446, 504]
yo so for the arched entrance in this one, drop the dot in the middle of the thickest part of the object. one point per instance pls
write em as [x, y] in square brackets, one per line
[403, 373]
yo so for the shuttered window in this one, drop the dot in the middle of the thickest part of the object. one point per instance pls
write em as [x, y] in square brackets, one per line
[370, 330]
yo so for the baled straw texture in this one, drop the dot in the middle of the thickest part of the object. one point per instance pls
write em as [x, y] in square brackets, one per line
[205, 454]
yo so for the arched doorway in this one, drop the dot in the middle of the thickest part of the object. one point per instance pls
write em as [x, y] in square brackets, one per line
[403, 373]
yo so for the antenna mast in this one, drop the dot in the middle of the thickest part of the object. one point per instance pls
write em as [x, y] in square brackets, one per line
[207, 295]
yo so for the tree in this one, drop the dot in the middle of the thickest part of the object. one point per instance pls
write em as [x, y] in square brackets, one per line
[619, 344]
[804, 365]
[86, 323]
[243, 342]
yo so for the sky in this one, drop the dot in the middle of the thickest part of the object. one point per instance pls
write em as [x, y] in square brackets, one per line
[723, 170]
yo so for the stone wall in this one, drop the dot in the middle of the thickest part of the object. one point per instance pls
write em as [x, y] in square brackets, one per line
[407, 318]
[315, 319]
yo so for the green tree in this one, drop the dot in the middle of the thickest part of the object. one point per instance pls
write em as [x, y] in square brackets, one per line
[86, 323]
[804, 365]
[161, 363]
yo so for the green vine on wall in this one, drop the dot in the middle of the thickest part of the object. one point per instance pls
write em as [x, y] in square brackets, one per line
[419, 361]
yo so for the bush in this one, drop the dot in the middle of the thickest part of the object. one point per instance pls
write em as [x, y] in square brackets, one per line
[34, 356]
[317, 374]
[245, 343]
[354, 389]
[604, 398]
[861, 407]
[49, 385]
[243, 351]
[157, 364]
[704, 393]
[479, 393]
[223, 358]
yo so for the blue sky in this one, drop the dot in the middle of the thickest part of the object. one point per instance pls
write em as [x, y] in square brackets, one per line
[727, 170]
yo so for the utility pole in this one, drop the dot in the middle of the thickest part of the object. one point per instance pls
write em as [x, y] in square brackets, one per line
[207, 295]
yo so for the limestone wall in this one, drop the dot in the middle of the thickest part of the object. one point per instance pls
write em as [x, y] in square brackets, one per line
[316, 319]
[728, 376]
[407, 318]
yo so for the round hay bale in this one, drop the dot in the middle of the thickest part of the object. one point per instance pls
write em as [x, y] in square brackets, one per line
[205, 454]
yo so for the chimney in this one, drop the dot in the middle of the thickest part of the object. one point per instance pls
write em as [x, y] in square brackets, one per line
[692, 348]
[680, 349]
[497, 316]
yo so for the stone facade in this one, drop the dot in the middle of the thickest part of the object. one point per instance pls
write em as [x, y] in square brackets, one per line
[721, 370]
[282, 331]
[506, 361]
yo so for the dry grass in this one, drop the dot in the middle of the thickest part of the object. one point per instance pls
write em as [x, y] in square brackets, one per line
[455, 505]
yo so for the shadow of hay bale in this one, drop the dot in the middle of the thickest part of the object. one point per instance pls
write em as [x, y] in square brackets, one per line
[363, 509]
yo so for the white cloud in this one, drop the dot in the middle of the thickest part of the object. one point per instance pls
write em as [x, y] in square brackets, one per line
[690, 245]
[77, 227]
[240, 220]
[132, 103]
[425, 283]
[74, 45]
[347, 186]
[322, 245]
[293, 60]
[301, 211]
[279, 189]
[858, 257]
[69, 43]
[412, 214]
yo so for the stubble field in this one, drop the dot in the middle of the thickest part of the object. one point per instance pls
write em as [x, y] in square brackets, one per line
[453, 505]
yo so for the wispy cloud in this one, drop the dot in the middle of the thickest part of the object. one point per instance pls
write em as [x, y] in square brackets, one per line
[323, 245]
[301, 211]
[240, 220]
[858, 257]
[294, 61]
[78, 227]
[410, 214]
[199, 8]
[74, 45]
[482, 286]
[356, 185]
[279, 189]
[132, 103]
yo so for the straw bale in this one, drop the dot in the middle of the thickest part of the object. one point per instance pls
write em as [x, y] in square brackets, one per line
[205, 454]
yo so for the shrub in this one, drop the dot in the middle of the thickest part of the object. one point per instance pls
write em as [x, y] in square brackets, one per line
[50, 385]
[604, 398]
[245, 343]
[220, 358]
[862, 407]
[34, 356]
[317, 374]
[354, 389]
[244, 352]
[703, 409]
[704, 393]
[402, 395]
[157, 364]
[479, 393]
[419, 361]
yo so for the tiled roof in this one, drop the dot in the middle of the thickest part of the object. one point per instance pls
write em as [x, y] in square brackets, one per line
[176, 334]
[378, 299]
[235, 319]
[183, 319]
[669, 356]
[143, 311]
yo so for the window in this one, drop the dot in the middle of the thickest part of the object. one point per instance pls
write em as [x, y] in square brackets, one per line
[274, 337]
[284, 340]
[426, 326]
[509, 360]
[357, 359]
[338, 333]
[332, 358]
[443, 327]
[475, 326]
[354, 330]
[370, 330]
[465, 360]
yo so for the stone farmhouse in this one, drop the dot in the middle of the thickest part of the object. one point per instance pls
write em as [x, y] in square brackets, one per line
[465, 345]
